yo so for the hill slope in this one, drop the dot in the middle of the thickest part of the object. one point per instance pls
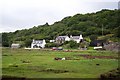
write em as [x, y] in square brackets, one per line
[87, 24]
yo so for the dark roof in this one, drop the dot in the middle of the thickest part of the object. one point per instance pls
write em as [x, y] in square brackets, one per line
[95, 42]
[37, 42]
[75, 37]
[61, 37]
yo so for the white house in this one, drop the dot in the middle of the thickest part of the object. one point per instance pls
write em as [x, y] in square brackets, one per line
[14, 45]
[52, 40]
[62, 39]
[38, 44]
[76, 38]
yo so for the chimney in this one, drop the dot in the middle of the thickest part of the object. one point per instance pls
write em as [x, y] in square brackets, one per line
[44, 41]
[81, 36]
[33, 40]
[71, 36]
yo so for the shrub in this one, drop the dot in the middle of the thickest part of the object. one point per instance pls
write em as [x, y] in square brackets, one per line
[49, 45]
[70, 44]
[84, 44]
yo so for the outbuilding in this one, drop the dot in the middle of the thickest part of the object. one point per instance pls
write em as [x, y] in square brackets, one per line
[14, 45]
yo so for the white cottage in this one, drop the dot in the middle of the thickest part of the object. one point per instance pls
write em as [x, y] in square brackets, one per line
[38, 44]
[78, 39]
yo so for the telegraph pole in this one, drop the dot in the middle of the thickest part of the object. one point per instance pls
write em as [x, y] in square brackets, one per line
[102, 29]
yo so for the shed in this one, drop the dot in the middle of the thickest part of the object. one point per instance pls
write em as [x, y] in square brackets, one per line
[14, 45]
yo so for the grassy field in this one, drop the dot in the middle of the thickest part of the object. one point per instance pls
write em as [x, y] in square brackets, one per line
[41, 63]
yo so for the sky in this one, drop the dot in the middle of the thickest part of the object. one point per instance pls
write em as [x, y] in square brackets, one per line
[24, 14]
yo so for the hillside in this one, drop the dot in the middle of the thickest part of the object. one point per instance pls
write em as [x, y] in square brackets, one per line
[90, 24]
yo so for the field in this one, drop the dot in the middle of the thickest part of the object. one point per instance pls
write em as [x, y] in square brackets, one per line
[41, 63]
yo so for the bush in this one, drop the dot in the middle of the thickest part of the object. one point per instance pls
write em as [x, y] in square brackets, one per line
[93, 37]
[66, 42]
[84, 44]
[27, 42]
[71, 44]
[49, 45]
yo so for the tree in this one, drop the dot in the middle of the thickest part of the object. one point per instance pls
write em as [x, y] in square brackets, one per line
[84, 44]
[5, 40]
[116, 32]
[93, 37]
[71, 44]
[49, 45]
[28, 42]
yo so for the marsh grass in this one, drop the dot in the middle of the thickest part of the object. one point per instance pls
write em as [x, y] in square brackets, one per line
[41, 64]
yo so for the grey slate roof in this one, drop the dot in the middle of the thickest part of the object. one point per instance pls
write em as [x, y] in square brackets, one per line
[61, 37]
[75, 37]
[37, 42]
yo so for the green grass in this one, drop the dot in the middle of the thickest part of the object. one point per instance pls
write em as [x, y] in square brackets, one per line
[41, 64]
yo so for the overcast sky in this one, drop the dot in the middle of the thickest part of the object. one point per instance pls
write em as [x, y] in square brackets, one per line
[24, 14]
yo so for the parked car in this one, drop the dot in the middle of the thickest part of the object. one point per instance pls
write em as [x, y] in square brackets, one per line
[54, 48]
[59, 48]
